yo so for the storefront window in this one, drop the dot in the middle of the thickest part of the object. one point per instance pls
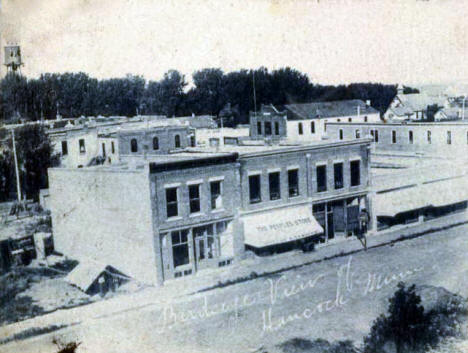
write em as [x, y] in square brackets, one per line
[180, 248]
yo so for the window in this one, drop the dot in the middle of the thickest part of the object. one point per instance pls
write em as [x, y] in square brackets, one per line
[155, 143]
[216, 194]
[321, 178]
[171, 202]
[274, 184]
[180, 248]
[267, 128]
[194, 198]
[449, 137]
[358, 133]
[254, 189]
[177, 141]
[293, 182]
[410, 137]
[467, 137]
[259, 128]
[103, 149]
[341, 134]
[133, 145]
[350, 120]
[193, 142]
[355, 169]
[64, 148]
[393, 136]
[324, 126]
[375, 135]
[276, 128]
[112, 147]
[365, 119]
[338, 174]
[81, 143]
[300, 130]
[429, 137]
[312, 127]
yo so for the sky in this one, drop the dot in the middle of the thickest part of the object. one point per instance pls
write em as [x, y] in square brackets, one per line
[334, 41]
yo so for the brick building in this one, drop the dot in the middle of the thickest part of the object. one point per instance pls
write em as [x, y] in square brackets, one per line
[172, 215]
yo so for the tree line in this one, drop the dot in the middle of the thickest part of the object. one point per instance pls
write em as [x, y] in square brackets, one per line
[214, 92]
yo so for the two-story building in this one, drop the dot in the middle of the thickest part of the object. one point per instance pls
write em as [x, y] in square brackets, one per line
[308, 121]
[172, 215]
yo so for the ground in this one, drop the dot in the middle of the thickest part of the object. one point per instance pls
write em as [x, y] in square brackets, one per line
[334, 300]
[34, 289]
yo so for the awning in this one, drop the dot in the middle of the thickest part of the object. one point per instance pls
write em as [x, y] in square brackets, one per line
[391, 203]
[437, 194]
[85, 273]
[447, 192]
[280, 226]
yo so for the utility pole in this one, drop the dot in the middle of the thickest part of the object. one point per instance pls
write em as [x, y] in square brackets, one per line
[18, 187]
[254, 94]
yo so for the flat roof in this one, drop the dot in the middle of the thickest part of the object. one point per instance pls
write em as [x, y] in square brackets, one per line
[412, 123]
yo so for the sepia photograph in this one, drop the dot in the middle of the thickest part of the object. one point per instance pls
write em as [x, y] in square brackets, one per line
[239, 176]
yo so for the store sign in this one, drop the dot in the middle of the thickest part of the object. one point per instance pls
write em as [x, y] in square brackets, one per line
[284, 225]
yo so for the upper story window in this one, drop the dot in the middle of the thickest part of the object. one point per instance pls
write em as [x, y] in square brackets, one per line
[274, 185]
[338, 174]
[365, 119]
[267, 128]
[355, 170]
[324, 126]
[375, 135]
[255, 194]
[410, 137]
[429, 137]
[177, 141]
[358, 133]
[293, 182]
[155, 143]
[300, 129]
[321, 171]
[133, 145]
[64, 148]
[112, 147]
[216, 194]
[393, 136]
[340, 133]
[276, 128]
[259, 128]
[171, 202]
[350, 120]
[81, 143]
[449, 137]
[312, 127]
[103, 149]
[194, 198]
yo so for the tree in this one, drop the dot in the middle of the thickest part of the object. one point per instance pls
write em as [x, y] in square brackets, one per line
[405, 325]
[208, 95]
[35, 156]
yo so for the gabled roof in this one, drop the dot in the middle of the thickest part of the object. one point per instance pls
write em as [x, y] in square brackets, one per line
[418, 101]
[317, 110]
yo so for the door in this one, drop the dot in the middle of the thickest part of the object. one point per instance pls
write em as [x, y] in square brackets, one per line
[330, 227]
[205, 247]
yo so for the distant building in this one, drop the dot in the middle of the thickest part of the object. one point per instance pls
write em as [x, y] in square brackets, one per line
[307, 121]
[448, 139]
[411, 106]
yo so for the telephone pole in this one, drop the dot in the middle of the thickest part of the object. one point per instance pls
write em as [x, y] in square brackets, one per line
[18, 187]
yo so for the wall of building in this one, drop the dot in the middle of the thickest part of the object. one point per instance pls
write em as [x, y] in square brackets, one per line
[438, 142]
[104, 215]
[306, 161]
[77, 157]
[204, 135]
[272, 118]
[166, 138]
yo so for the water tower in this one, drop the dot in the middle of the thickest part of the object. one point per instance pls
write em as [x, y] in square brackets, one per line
[12, 57]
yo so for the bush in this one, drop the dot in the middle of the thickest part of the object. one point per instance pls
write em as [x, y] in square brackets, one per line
[300, 345]
[407, 327]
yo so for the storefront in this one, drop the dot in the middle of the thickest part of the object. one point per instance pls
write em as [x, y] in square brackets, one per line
[188, 250]
[339, 218]
[279, 230]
